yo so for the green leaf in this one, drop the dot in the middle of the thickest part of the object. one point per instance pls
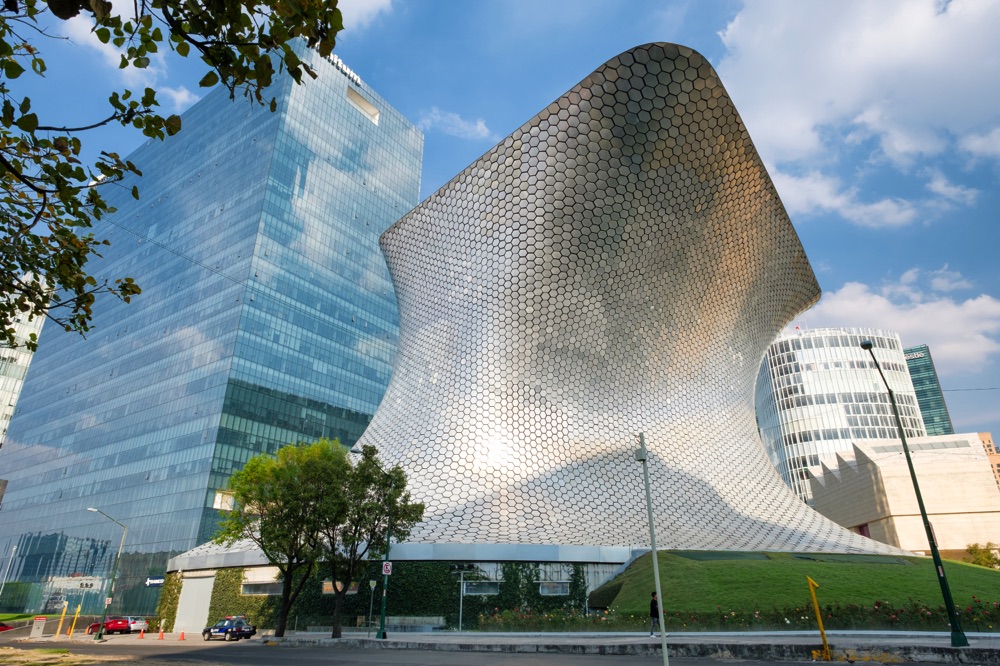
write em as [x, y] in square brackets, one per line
[135, 191]
[28, 122]
[172, 125]
[209, 80]
[141, 63]
[183, 48]
[12, 69]
[103, 34]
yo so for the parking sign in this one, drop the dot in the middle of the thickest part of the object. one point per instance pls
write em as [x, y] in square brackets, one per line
[386, 568]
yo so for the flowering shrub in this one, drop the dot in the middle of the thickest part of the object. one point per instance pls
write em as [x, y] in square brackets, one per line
[976, 615]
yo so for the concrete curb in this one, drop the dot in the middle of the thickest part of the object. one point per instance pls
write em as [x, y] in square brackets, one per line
[747, 650]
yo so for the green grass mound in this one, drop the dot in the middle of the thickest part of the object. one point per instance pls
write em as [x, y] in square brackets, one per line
[746, 591]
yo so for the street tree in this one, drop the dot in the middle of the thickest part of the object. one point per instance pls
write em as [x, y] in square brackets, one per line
[985, 555]
[277, 505]
[50, 193]
[358, 522]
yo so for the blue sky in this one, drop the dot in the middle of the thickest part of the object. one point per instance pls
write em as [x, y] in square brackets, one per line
[879, 123]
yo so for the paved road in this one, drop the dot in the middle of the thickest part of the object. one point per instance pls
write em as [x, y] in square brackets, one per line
[254, 653]
[449, 648]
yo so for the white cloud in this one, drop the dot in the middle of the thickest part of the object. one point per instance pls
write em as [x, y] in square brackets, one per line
[984, 145]
[946, 280]
[180, 98]
[909, 74]
[817, 193]
[941, 186]
[454, 125]
[79, 30]
[359, 14]
[964, 335]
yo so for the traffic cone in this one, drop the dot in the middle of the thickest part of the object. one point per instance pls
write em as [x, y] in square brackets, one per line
[182, 636]
[161, 634]
[142, 633]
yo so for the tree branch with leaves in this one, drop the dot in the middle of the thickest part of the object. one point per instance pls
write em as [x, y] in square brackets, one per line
[49, 198]
[356, 522]
[277, 502]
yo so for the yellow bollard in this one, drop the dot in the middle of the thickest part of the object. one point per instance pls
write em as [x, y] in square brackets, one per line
[72, 627]
[62, 618]
[813, 585]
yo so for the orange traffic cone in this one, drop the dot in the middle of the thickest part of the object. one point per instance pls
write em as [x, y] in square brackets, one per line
[161, 634]
[142, 633]
[182, 636]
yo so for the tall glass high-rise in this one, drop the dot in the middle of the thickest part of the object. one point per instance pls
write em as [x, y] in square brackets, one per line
[267, 317]
[928, 389]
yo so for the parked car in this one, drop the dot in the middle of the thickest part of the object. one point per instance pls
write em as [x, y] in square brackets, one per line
[114, 624]
[137, 623]
[5, 627]
[231, 628]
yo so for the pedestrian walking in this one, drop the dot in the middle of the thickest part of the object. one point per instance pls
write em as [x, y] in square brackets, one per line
[654, 615]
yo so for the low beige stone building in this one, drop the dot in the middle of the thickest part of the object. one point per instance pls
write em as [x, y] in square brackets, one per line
[869, 491]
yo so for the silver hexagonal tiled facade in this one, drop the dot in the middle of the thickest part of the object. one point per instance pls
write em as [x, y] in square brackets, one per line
[618, 264]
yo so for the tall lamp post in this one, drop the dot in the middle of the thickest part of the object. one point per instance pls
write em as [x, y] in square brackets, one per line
[385, 563]
[642, 456]
[460, 569]
[958, 638]
[114, 570]
[371, 604]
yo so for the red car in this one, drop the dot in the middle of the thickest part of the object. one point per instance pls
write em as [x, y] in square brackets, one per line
[5, 627]
[114, 624]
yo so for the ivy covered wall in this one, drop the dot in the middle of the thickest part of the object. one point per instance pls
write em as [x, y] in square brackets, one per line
[170, 595]
[426, 589]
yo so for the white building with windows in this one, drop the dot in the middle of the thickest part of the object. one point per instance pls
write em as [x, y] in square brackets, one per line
[818, 392]
[14, 364]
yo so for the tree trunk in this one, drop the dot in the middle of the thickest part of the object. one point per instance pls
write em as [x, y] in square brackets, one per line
[338, 603]
[286, 605]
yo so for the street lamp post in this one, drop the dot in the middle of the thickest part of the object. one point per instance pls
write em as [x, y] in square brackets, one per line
[460, 569]
[385, 559]
[114, 571]
[642, 456]
[958, 638]
[371, 604]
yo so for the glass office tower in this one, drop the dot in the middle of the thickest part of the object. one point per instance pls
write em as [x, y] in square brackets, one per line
[818, 391]
[928, 388]
[14, 364]
[267, 316]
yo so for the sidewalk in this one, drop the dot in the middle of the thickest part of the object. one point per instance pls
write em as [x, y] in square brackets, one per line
[873, 646]
[885, 647]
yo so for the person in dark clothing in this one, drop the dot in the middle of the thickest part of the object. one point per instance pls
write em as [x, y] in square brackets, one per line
[654, 615]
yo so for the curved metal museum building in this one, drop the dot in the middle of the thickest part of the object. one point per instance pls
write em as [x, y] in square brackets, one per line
[618, 264]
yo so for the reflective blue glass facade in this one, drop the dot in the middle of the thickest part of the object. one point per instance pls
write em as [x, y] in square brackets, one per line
[928, 388]
[267, 316]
